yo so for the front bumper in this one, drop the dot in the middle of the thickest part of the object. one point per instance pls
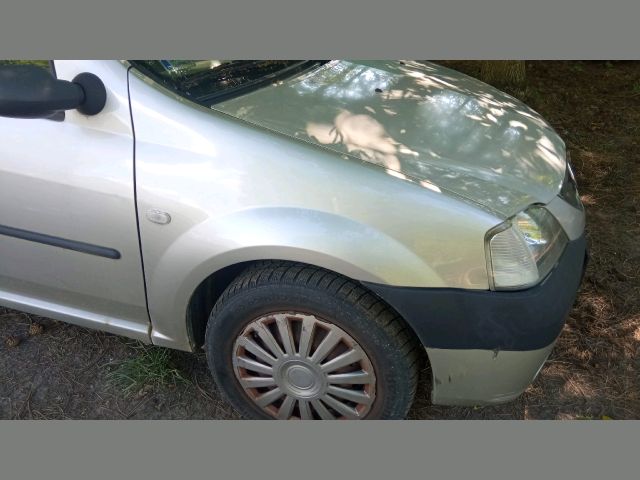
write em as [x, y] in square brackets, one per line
[487, 346]
[482, 377]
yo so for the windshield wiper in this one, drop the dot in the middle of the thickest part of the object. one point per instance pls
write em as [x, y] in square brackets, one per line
[230, 84]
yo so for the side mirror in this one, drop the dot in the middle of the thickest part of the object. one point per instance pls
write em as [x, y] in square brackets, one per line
[28, 91]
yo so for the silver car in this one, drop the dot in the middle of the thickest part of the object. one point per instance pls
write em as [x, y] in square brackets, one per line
[322, 229]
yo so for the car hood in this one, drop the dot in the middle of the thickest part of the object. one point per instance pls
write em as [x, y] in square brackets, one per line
[421, 122]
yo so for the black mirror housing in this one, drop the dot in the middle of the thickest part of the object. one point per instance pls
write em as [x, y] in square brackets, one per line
[28, 91]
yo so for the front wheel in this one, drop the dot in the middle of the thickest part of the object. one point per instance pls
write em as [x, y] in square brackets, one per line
[290, 341]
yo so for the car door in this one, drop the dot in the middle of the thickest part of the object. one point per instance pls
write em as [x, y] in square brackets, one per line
[69, 245]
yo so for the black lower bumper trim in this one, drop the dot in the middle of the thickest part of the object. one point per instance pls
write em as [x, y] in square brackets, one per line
[481, 319]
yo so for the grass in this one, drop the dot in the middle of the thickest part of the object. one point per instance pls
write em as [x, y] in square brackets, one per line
[149, 367]
[39, 63]
[577, 67]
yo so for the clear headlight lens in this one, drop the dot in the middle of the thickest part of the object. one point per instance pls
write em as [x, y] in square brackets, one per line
[525, 248]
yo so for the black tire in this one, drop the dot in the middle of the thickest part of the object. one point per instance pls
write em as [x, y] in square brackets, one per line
[268, 287]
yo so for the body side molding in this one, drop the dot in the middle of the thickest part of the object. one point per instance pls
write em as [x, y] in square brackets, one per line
[65, 243]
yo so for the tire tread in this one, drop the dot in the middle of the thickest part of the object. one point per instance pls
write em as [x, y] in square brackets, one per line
[268, 273]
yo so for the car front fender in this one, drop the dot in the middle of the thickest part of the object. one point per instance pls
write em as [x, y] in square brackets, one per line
[318, 238]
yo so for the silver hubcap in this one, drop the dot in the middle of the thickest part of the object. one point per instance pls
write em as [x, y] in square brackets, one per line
[294, 365]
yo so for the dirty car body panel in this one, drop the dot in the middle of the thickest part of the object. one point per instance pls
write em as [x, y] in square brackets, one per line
[389, 173]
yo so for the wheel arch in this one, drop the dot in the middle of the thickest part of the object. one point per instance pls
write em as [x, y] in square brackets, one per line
[209, 255]
[211, 288]
[205, 296]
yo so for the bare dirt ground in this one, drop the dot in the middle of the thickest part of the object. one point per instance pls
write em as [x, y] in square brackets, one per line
[65, 371]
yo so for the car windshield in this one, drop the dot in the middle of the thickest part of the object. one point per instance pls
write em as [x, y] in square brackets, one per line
[211, 81]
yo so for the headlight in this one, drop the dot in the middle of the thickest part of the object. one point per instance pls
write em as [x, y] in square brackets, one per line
[569, 190]
[524, 249]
